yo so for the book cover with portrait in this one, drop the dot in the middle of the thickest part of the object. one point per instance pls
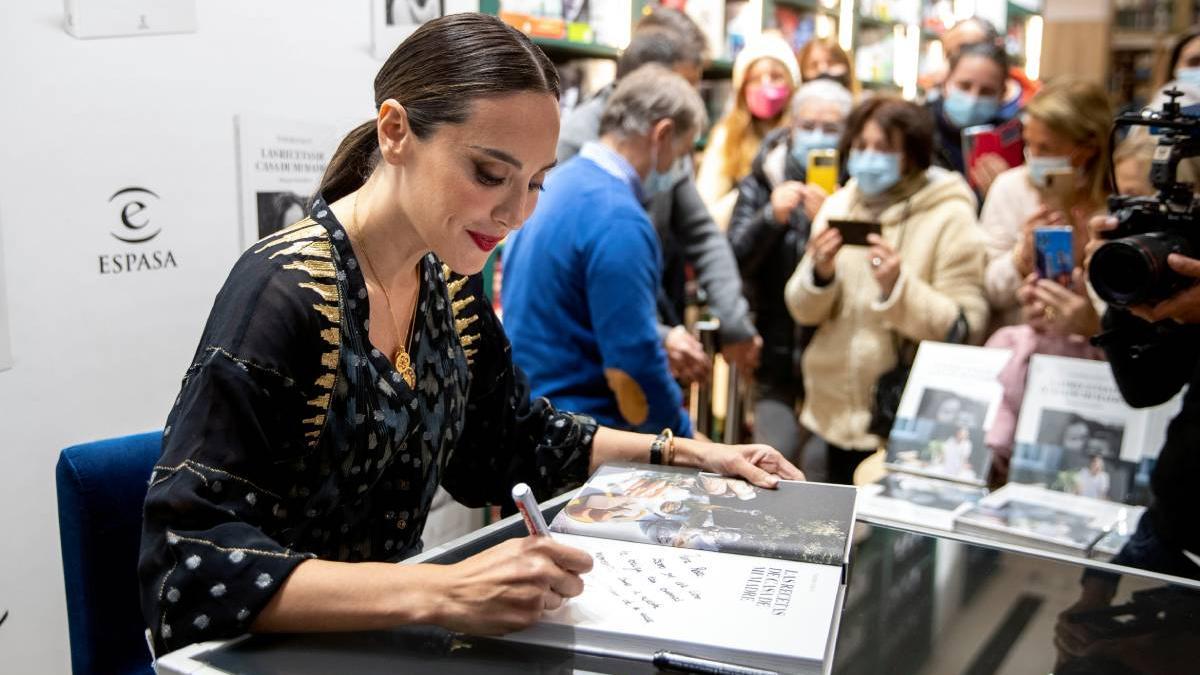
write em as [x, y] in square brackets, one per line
[947, 407]
[1076, 434]
[280, 164]
[392, 21]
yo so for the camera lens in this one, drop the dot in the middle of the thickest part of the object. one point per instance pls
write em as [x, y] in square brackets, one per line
[1133, 270]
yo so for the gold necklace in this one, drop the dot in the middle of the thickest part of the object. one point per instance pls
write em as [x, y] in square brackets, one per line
[402, 360]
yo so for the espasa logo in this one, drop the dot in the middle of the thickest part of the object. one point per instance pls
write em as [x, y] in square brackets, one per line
[134, 216]
[135, 224]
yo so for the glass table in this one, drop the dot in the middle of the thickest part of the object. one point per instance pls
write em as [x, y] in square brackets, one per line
[917, 601]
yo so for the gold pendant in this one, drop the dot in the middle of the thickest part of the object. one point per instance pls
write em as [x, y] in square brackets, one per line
[404, 367]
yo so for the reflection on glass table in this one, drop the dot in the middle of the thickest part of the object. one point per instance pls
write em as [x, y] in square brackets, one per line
[916, 602]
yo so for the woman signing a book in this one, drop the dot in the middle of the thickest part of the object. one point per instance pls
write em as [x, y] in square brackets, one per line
[351, 365]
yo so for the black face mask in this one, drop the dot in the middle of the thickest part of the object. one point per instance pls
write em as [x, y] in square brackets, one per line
[843, 79]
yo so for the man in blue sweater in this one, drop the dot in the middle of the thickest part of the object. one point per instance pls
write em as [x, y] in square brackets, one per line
[581, 277]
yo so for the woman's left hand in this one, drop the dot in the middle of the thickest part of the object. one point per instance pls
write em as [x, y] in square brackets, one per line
[759, 464]
[1052, 308]
[885, 265]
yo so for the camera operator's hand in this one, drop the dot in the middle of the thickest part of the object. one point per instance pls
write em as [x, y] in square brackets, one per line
[1097, 227]
[1050, 308]
[1184, 306]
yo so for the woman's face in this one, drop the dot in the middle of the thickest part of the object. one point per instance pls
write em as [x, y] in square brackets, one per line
[947, 411]
[1075, 437]
[1042, 141]
[873, 137]
[821, 61]
[766, 72]
[466, 186]
[978, 76]
[1189, 56]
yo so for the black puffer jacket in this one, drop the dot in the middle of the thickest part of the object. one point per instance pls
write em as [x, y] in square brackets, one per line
[767, 253]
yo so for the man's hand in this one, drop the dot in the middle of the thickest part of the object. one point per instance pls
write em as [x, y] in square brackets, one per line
[686, 356]
[1184, 306]
[785, 199]
[814, 197]
[744, 354]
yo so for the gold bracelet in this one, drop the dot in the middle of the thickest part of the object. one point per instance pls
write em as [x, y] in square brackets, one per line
[669, 455]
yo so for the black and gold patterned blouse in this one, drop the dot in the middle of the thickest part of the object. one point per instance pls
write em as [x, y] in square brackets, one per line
[293, 438]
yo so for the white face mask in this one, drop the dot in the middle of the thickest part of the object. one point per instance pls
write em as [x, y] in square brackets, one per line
[1040, 167]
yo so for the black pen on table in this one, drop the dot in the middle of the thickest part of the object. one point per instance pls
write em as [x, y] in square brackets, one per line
[523, 497]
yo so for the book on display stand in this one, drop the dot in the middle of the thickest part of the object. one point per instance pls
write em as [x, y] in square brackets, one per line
[945, 412]
[705, 566]
[1076, 434]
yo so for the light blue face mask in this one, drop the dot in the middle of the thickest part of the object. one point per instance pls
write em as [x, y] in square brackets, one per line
[1188, 76]
[964, 110]
[1039, 167]
[876, 172]
[804, 142]
[658, 182]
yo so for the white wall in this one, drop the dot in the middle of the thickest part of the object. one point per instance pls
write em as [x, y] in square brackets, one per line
[102, 355]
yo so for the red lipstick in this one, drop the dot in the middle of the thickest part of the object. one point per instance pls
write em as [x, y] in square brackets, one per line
[484, 242]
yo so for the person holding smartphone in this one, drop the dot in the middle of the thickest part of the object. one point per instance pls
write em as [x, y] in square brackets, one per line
[918, 279]
[768, 232]
[1063, 182]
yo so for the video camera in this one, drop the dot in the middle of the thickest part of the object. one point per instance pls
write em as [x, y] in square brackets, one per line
[1131, 268]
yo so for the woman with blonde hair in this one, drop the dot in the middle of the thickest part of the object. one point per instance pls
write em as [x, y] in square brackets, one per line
[1066, 130]
[824, 58]
[765, 75]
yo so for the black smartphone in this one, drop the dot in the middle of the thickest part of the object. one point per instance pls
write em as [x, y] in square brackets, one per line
[854, 232]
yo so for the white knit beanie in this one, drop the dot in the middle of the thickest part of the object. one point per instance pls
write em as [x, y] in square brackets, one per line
[767, 45]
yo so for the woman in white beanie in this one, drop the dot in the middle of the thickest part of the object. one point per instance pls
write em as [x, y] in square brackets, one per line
[765, 74]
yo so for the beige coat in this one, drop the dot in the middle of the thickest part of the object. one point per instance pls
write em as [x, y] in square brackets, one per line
[943, 258]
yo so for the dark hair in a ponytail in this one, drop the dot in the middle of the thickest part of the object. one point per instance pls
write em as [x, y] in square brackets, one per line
[436, 74]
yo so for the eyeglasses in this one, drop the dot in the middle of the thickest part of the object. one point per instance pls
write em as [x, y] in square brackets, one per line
[835, 129]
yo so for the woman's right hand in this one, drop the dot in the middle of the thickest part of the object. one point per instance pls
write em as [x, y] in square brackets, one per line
[506, 587]
[1024, 254]
[785, 199]
[824, 248]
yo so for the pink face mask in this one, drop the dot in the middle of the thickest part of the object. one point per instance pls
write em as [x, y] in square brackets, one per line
[765, 101]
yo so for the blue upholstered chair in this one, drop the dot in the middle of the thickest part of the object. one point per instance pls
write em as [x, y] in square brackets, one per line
[101, 487]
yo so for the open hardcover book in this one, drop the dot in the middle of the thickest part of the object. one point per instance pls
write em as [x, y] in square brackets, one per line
[945, 412]
[704, 566]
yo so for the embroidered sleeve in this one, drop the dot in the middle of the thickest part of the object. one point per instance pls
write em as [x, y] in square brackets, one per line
[508, 438]
[206, 565]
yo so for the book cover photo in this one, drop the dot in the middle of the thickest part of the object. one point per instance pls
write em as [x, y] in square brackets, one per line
[280, 164]
[1076, 434]
[810, 522]
[947, 407]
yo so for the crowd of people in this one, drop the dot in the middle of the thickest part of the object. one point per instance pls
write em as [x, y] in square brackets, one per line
[816, 319]
[352, 363]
